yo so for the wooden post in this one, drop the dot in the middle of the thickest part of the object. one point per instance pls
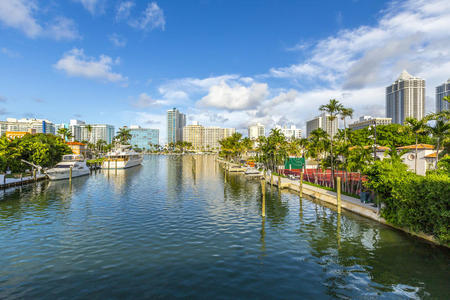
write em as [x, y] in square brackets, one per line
[263, 191]
[271, 178]
[279, 181]
[338, 194]
[70, 174]
[116, 166]
[34, 174]
[21, 176]
[108, 163]
[301, 184]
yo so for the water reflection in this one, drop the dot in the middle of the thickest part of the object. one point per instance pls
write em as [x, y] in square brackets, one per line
[181, 227]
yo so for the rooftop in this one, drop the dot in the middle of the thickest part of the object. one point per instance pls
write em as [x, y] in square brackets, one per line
[419, 146]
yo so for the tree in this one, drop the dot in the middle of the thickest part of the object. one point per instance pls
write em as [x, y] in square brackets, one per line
[65, 133]
[346, 112]
[89, 129]
[124, 136]
[333, 108]
[440, 131]
[418, 127]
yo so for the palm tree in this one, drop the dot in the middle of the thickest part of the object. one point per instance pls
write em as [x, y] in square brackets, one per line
[89, 129]
[124, 136]
[439, 131]
[333, 108]
[65, 133]
[418, 127]
[346, 112]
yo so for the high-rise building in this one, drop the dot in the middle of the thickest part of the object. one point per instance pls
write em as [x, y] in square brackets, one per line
[366, 121]
[290, 133]
[405, 98]
[175, 123]
[205, 138]
[144, 138]
[256, 130]
[322, 121]
[442, 91]
[95, 132]
[27, 125]
[75, 129]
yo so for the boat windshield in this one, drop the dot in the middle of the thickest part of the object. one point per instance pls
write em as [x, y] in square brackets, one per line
[62, 166]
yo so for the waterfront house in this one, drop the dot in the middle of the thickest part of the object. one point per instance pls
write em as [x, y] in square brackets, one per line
[426, 157]
[78, 148]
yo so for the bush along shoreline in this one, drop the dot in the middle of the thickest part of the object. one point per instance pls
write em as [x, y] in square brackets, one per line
[418, 203]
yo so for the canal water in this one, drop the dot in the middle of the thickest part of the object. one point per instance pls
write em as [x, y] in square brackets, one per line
[176, 227]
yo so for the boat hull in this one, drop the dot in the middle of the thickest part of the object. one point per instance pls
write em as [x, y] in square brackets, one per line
[121, 164]
[66, 174]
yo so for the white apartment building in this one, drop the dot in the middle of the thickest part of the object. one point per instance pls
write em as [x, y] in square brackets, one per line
[256, 130]
[27, 125]
[405, 98]
[366, 121]
[290, 132]
[322, 121]
[442, 91]
[205, 138]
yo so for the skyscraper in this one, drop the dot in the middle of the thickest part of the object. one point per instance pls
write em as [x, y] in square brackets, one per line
[405, 98]
[442, 91]
[205, 138]
[256, 130]
[323, 122]
[175, 123]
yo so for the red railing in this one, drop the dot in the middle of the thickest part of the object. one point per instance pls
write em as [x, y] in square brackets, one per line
[351, 181]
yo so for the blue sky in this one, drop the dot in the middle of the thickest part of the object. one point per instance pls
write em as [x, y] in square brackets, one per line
[225, 63]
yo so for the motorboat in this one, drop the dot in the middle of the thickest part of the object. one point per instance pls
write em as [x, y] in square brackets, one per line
[71, 163]
[121, 158]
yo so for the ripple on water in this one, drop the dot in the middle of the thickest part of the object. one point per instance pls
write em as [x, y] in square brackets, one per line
[170, 229]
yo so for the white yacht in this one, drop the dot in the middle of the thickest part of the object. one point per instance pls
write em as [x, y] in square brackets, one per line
[121, 158]
[62, 169]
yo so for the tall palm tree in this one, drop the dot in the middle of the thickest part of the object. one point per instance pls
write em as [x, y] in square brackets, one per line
[333, 108]
[418, 127]
[346, 113]
[124, 136]
[439, 131]
[89, 129]
[65, 133]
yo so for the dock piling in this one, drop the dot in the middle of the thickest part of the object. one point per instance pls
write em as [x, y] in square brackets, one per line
[263, 192]
[338, 184]
[70, 174]
[301, 184]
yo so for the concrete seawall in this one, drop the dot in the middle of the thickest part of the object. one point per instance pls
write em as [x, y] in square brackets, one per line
[350, 204]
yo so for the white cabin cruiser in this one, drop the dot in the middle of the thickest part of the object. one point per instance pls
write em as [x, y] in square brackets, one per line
[62, 169]
[121, 158]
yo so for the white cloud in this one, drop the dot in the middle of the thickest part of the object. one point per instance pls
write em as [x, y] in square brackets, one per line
[234, 97]
[20, 15]
[124, 9]
[118, 40]
[10, 53]
[151, 18]
[76, 63]
[93, 6]
[62, 29]
[145, 100]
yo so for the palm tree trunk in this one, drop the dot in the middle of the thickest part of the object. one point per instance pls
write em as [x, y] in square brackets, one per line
[437, 152]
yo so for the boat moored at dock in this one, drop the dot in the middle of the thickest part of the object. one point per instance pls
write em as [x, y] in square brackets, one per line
[121, 158]
[71, 165]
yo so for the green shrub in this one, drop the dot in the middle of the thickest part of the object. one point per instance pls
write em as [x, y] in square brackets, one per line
[420, 203]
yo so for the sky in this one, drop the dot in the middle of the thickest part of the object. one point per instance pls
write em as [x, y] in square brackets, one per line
[223, 63]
